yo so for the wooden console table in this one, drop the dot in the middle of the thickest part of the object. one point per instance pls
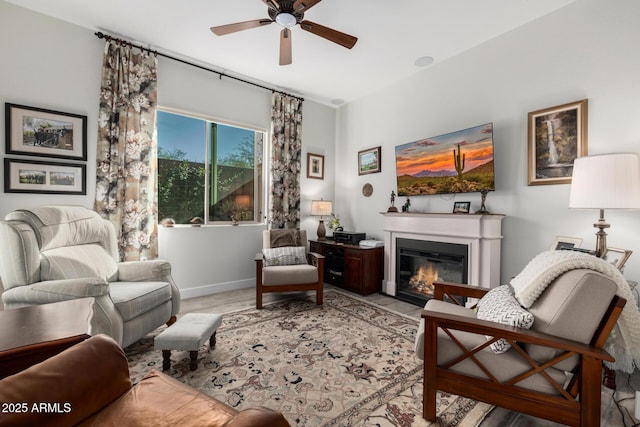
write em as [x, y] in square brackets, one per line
[351, 267]
[32, 334]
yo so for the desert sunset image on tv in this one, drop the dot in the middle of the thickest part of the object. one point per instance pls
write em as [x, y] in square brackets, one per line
[456, 162]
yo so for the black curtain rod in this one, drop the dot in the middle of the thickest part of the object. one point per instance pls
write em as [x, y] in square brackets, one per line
[220, 74]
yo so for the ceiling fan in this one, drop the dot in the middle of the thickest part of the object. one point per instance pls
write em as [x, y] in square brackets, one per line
[289, 13]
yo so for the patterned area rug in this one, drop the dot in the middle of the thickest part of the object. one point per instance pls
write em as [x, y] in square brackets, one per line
[348, 363]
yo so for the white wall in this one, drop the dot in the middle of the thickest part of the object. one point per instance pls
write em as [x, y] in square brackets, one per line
[585, 50]
[55, 65]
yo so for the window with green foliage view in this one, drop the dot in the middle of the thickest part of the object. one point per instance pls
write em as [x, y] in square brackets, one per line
[208, 171]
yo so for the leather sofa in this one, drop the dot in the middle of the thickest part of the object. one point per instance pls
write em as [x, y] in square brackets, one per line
[89, 385]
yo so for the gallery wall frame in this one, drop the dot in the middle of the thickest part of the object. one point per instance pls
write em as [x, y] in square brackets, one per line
[369, 161]
[32, 131]
[556, 137]
[315, 166]
[42, 177]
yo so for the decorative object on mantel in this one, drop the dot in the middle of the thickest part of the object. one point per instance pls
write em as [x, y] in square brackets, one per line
[367, 190]
[406, 206]
[483, 208]
[393, 208]
[461, 207]
[607, 181]
[557, 136]
[321, 208]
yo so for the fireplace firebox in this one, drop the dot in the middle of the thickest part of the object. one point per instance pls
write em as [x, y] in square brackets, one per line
[420, 263]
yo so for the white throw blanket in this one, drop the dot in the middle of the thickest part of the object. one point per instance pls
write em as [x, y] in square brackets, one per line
[624, 341]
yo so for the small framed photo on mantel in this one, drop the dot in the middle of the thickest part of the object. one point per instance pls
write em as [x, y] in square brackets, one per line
[461, 207]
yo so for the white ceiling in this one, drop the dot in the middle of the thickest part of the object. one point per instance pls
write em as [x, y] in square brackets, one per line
[392, 34]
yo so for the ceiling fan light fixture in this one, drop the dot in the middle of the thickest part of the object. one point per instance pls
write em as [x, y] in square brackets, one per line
[286, 20]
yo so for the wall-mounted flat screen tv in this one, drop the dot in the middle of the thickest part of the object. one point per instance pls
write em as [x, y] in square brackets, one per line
[456, 162]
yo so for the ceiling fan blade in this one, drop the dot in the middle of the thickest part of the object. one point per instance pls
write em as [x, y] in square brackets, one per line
[304, 5]
[272, 4]
[221, 30]
[330, 34]
[285, 47]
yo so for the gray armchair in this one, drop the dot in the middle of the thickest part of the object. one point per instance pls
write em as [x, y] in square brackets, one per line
[57, 253]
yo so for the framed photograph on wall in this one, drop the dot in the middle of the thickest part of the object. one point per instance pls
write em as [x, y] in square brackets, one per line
[369, 161]
[34, 131]
[461, 207]
[557, 136]
[315, 166]
[617, 257]
[31, 176]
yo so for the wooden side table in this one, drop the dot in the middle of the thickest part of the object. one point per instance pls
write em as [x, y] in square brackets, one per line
[32, 334]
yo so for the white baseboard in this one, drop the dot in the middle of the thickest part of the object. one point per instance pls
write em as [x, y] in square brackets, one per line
[216, 288]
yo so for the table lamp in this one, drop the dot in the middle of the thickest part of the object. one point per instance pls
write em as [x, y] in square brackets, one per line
[608, 181]
[321, 208]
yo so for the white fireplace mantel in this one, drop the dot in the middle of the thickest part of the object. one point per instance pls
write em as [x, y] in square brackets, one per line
[481, 233]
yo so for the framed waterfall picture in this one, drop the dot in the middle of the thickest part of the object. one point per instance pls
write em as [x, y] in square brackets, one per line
[557, 136]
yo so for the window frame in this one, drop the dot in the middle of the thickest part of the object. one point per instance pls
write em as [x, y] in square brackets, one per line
[260, 186]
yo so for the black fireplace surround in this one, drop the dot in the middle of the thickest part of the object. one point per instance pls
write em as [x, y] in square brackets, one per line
[419, 263]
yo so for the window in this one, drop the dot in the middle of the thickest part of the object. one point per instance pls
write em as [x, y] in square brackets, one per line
[208, 170]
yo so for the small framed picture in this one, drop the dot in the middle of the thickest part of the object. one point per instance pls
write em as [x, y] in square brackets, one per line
[557, 136]
[315, 166]
[30, 176]
[616, 256]
[369, 161]
[34, 131]
[563, 242]
[461, 207]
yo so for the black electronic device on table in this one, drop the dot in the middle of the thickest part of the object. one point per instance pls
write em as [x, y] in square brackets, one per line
[348, 237]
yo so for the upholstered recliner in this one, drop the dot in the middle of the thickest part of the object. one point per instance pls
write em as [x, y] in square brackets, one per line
[57, 253]
[285, 265]
[552, 370]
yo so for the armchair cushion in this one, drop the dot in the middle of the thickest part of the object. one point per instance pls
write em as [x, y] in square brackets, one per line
[287, 255]
[135, 298]
[289, 274]
[71, 262]
[499, 305]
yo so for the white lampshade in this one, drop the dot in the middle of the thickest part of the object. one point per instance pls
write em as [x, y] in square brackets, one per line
[608, 181]
[321, 207]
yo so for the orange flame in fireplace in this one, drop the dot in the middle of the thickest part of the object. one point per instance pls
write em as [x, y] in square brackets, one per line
[423, 280]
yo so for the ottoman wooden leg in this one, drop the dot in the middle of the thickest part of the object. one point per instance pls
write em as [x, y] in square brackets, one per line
[212, 341]
[193, 364]
[166, 359]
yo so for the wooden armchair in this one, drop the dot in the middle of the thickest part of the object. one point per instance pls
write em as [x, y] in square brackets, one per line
[306, 274]
[549, 372]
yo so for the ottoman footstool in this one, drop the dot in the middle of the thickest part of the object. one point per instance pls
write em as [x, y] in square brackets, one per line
[188, 334]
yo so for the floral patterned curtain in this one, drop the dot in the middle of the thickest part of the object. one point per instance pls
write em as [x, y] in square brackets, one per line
[126, 189]
[286, 161]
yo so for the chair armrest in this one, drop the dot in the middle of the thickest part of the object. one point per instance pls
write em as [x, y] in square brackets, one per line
[442, 289]
[512, 333]
[259, 256]
[316, 259]
[61, 290]
[138, 271]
